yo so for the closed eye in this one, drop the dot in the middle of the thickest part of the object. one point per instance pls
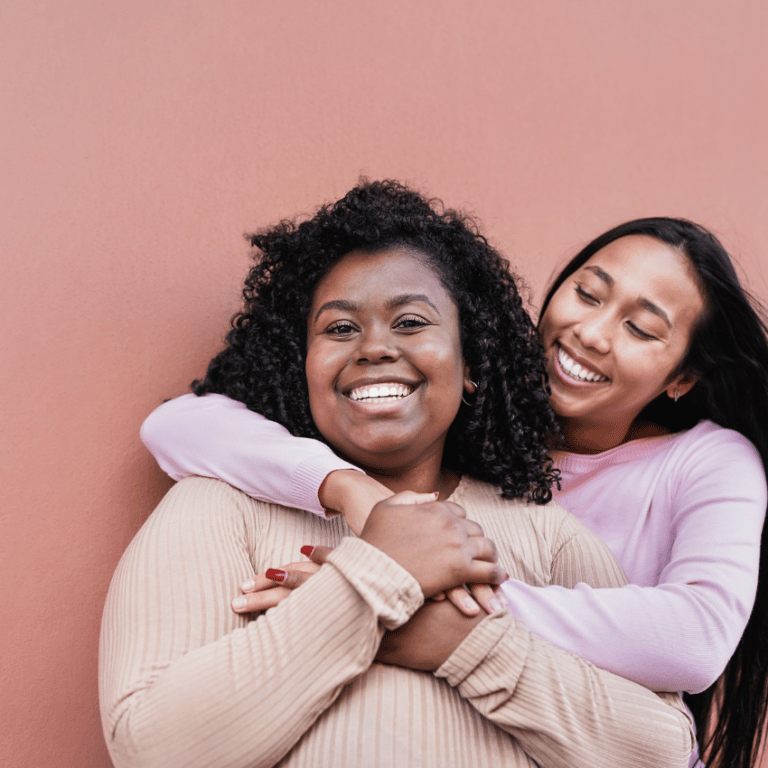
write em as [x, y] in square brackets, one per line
[640, 334]
[586, 297]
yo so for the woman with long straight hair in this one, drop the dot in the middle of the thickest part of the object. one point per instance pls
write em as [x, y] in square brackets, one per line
[658, 368]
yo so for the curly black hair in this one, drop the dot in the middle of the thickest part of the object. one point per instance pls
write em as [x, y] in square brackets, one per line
[502, 436]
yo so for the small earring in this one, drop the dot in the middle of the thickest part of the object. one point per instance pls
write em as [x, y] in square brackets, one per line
[677, 394]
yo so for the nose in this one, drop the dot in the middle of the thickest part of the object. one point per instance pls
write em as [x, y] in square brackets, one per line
[594, 331]
[376, 344]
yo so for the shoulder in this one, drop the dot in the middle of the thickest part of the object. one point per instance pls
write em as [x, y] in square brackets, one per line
[708, 447]
[203, 505]
[195, 491]
[709, 433]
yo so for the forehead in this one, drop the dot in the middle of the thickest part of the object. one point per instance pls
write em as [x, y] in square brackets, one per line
[391, 271]
[642, 267]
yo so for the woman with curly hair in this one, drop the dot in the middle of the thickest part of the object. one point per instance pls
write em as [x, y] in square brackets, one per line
[658, 364]
[368, 328]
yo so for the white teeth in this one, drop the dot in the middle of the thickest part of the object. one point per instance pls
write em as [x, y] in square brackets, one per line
[381, 393]
[572, 368]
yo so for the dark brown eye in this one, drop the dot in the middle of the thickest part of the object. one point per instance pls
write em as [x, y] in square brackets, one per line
[340, 328]
[409, 322]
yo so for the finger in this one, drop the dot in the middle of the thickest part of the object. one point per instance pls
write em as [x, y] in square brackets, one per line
[290, 579]
[471, 528]
[457, 510]
[482, 572]
[405, 498]
[463, 601]
[485, 549]
[486, 596]
[316, 554]
[260, 581]
[260, 601]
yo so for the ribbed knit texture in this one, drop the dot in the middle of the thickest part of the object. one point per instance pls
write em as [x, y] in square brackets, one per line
[186, 682]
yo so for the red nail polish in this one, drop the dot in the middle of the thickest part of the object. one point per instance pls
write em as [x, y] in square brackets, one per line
[275, 574]
[307, 550]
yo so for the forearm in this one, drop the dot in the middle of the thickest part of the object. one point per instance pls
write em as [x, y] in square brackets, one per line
[214, 436]
[565, 712]
[673, 637]
[225, 703]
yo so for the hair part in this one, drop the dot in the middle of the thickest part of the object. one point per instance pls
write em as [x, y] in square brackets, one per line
[502, 437]
[728, 355]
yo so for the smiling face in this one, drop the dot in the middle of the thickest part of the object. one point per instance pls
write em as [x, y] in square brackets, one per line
[384, 365]
[614, 333]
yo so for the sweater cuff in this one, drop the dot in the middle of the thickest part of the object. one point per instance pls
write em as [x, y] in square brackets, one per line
[495, 649]
[307, 478]
[389, 590]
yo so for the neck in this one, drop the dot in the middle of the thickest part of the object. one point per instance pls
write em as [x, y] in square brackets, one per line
[596, 438]
[581, 437]
[421, 478]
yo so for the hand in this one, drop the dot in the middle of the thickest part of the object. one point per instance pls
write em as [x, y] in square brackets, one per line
[353, 494]
[428, 639]
[263, 592]
[434, 542]
[483, 596]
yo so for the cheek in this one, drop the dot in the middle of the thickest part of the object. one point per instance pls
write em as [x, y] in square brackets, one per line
[554, 317]
[644, 371]
[318, 372]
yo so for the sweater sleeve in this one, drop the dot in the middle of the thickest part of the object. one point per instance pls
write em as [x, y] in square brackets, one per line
[679, 634]
[215, 436]
[185, 682]
[564, 711]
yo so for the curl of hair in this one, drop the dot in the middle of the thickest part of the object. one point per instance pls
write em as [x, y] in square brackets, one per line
[728, 353]
[502, 437]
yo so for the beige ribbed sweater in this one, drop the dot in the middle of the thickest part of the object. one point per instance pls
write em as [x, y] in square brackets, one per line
[186, 682]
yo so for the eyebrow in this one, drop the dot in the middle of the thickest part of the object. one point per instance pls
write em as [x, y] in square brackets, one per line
[393, 303]
[407, 298]
[643, 302]
[337, 304]
[658, 311]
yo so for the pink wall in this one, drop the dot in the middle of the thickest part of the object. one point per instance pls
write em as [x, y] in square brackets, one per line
[139, 140]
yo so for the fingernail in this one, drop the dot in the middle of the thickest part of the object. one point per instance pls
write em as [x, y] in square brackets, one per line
[469, 605]
[246, 586]
[495, 605]
[307, 550]
[239, 603]
[275, 574]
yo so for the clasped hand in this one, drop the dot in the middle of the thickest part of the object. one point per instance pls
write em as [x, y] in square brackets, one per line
[438, 546]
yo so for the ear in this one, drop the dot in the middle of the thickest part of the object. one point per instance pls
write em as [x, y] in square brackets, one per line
[681, 385]
[469, 386]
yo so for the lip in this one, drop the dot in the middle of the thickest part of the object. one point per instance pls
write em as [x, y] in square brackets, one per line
[566, 378]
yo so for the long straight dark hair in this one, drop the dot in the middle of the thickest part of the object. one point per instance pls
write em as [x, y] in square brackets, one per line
[728, 353]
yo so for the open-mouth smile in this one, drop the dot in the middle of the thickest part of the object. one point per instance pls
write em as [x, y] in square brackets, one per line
[576, 371]
[386, 392]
